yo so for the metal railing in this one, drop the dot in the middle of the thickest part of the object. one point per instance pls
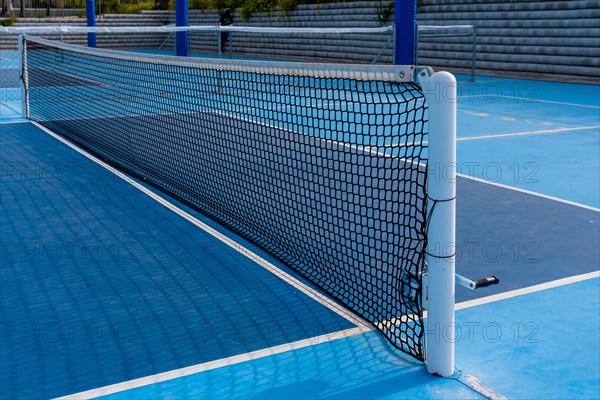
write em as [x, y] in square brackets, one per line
[72, 8]
[450, 31]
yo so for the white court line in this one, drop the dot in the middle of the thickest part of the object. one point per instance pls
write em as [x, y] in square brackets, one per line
[210, 365]
[531, 100]
[307, 290]
[538, 132]
[503, 296]
[14, 122]
[516, 189]
[363, 148]
[362, 326]
[367, 149]
[501, 185]
[527, 290]
[474, 383]
[231, 243]
[186, 371]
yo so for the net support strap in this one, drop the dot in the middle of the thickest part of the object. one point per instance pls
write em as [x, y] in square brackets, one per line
[440, 92]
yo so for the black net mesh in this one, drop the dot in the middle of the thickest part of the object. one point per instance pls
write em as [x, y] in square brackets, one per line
[325, 172]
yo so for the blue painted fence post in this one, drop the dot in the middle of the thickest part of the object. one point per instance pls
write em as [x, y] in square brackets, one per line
[405, 18]
[181, 19]
[90, 13]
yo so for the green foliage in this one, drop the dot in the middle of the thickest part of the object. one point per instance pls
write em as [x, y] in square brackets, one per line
[68, 4]
[251, 6]
[8, 21]
[384, 12]
[247, 7]
[124, 6]
[135, 8]
[215, 4]
[107, 7]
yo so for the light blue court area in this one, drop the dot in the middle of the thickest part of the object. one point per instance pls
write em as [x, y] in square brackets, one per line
[11, 112]
[541, 345]
[528, 91]
[103, 289]
[511, 348]
[501, 106]
[358, 367]
[538, 136]
[101, 284]
[509, 118]
[564, 165]
[10, 87]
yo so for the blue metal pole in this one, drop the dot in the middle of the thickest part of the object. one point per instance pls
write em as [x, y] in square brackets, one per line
[181, 19]
[405, 18]
[90, 13]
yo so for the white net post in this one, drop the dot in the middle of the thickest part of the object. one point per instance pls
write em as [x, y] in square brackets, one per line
[440, 92]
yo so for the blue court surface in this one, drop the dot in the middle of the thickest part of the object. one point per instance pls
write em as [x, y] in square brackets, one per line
[110, 289]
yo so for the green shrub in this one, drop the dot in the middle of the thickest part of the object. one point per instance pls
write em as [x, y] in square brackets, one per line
[8, 21]
[136, 8]
[247, 7]
[384, 12]
[215, 4]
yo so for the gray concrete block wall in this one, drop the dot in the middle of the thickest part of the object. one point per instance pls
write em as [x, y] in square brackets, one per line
[530, 38]
[527, 38]
[346, 48]
[114, 41]
[557, 40]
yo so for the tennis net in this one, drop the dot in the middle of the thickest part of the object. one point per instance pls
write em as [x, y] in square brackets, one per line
[320, 165]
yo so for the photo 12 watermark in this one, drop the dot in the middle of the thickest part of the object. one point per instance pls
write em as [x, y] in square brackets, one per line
[40, 333]
[70, 252]
[519, 332]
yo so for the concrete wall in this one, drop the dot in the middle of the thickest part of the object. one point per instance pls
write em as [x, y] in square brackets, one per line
[529, 38]
[534, 38]
[118, 41]
[539, 39]
[353, 48]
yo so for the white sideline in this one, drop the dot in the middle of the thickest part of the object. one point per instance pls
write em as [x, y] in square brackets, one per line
[178, 373]
[361, 325]
[516, 189]
[307, 290]
[531, 99]
[526, 133]
[527, 290]
[210, 365]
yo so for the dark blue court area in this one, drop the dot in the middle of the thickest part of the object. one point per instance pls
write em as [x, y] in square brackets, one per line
[101, 284]
[108, 289]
